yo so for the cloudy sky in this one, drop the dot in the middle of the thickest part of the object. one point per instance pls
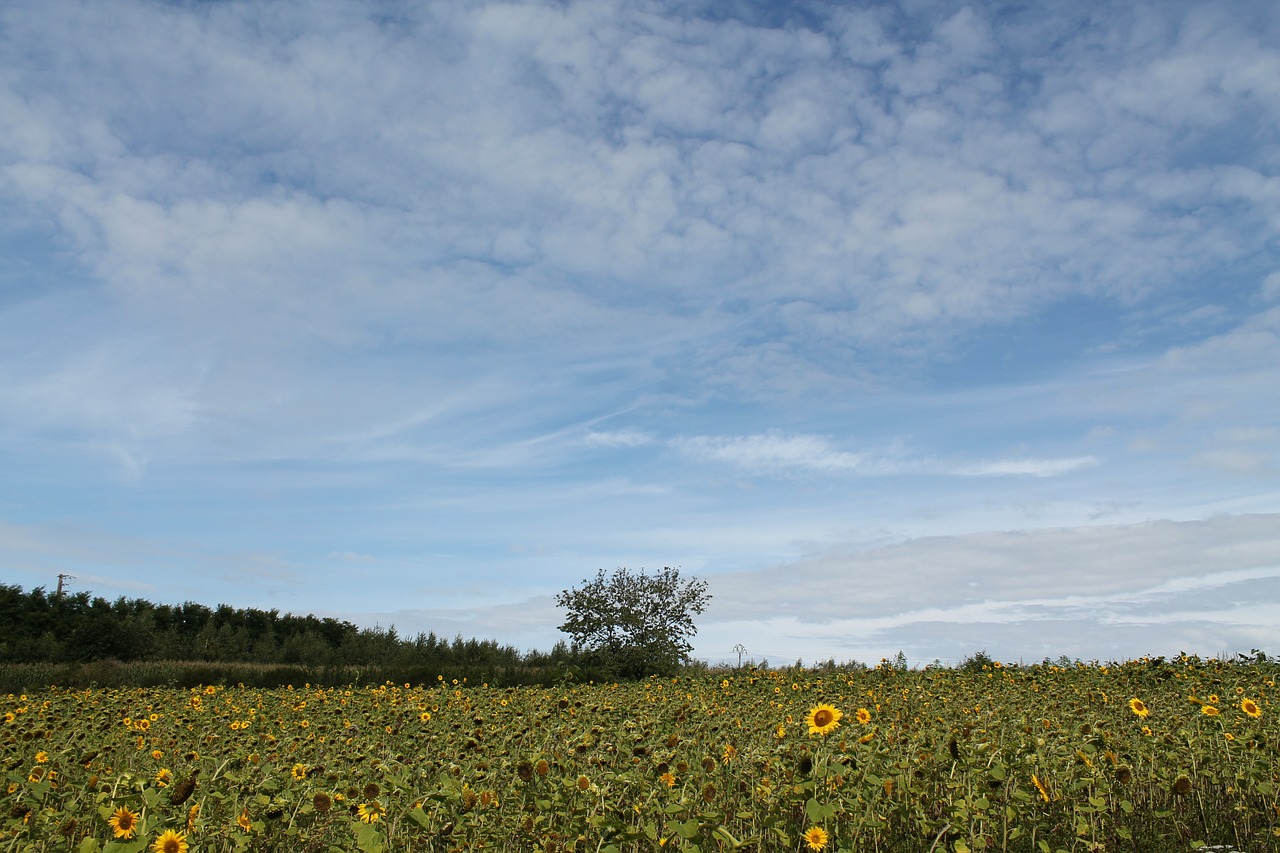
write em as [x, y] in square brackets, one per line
[912, 326]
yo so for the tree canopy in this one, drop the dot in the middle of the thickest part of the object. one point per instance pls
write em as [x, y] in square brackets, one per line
[635, 624]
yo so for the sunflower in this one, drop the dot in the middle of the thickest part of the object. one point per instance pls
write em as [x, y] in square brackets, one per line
[243, 820]
[1044, 792]
[170, 842]
[823, 719]
[1209, 710]
[123, 822]
[815, 838]
[1250, 707]
[163, 777]
[1139, 707]
[863, 715]
[371, 812]
[299, 771]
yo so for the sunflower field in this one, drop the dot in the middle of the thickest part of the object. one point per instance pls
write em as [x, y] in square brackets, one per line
[1140, 756]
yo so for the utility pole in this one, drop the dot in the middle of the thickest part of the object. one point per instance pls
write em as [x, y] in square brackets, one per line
[62, 578]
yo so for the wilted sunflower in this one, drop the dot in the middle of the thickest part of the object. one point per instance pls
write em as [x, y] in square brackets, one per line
[123, 822]
[823, 719]
[1139, 707]
[815, 838]
[1250, 707]
[170, 842]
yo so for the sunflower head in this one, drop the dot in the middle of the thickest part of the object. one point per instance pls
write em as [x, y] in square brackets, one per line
[123, 822]
[170, 842]
[823, 719]
[815, 838]
[371, 812]
[1250, 707]
[1139, 707]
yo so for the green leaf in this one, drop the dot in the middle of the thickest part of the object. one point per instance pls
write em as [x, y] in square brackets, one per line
[125, 846]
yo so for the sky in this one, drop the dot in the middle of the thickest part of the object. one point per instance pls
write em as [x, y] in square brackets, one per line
[921, 326]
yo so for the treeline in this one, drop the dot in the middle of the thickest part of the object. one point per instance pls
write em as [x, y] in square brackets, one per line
[64, 634]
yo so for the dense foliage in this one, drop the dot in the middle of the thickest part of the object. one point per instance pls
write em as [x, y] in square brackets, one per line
[633, 624]
[1150, 756]
[38, 628]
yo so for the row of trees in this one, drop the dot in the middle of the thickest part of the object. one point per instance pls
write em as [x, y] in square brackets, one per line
[621, 625]
[37, 626]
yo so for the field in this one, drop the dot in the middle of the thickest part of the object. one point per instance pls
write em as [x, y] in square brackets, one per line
[1149, 755]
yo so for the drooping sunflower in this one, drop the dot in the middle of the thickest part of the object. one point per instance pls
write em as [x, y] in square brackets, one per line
[244, 821]
[815, 838]
[1139, 707]
[371, 812]
[123, 822]
[1250, 707]
[1044, 792]
[823, 719]
[170, 842]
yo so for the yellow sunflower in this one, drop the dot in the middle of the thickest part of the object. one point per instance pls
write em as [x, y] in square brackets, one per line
[170, 842]
[815, 838]
[1139, 707]
[1044, 792]
[1208, 710]
[371, 812]
[299, 771]
[123, 822]
[1250, 707]
[243, 820]
[823, 719]
[863, 715]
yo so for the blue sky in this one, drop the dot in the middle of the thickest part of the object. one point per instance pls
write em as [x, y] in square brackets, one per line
[921, 326]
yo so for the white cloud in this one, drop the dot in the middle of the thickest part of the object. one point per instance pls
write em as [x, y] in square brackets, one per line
[776, 453]
[618, 438]
[1031, 467]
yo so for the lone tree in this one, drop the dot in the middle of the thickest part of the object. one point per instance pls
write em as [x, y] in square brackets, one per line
[634, 625]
